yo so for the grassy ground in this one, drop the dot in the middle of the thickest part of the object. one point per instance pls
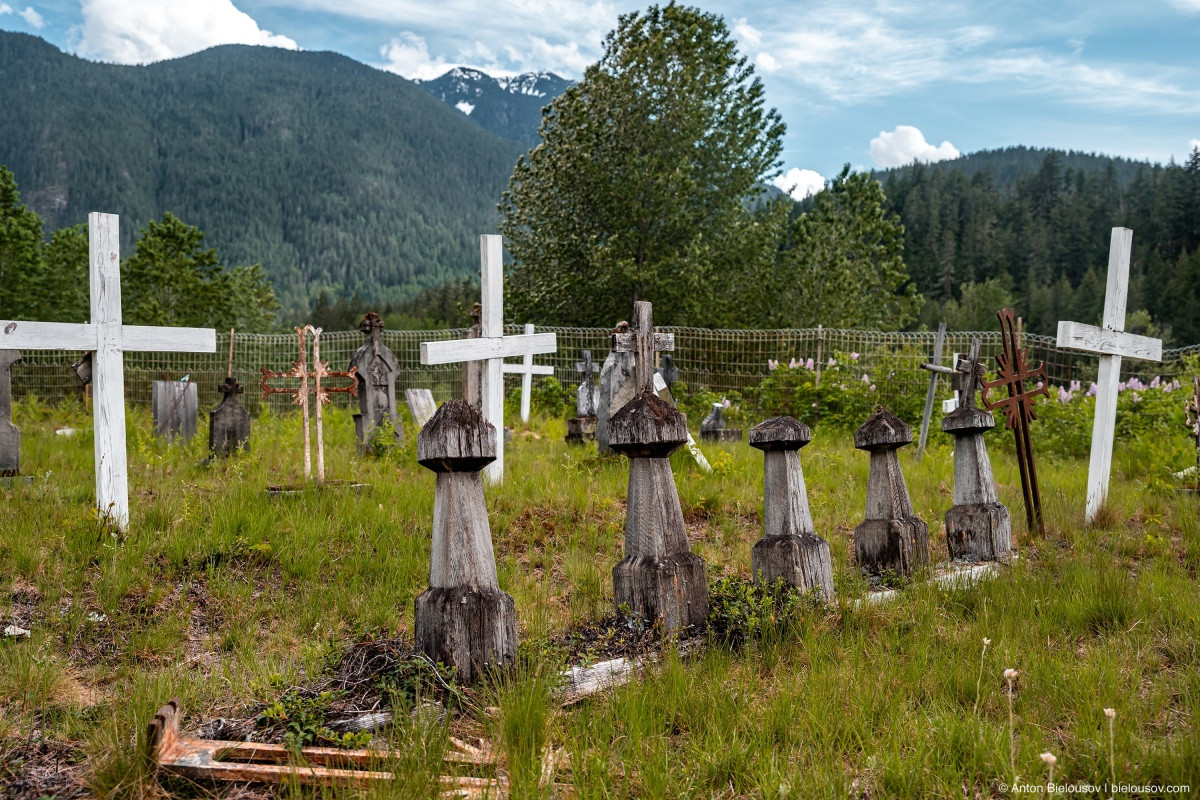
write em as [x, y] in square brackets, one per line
[224, 597]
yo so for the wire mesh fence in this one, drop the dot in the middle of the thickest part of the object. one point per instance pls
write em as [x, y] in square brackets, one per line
[717, 360]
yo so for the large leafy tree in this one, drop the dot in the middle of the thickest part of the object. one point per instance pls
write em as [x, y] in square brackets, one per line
[643, 185]
[172, 279]
[20, 250]
[843, 266]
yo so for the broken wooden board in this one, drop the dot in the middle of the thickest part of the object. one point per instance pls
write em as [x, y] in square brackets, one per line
[260, 762]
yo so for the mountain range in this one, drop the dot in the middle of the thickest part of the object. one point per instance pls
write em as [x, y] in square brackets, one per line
[508, 107]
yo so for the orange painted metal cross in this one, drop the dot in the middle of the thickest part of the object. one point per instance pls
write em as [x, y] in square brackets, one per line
[300, 370]
[1018, 410]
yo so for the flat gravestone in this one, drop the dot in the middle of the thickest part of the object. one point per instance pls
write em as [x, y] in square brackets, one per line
[892, 538]
[375, 368]
[420, 403]
[175, 409]
[229, 422]
[10, 434]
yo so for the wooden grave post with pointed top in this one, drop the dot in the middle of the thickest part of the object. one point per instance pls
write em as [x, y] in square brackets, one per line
[789, 548]
[10, 434]
[891, 538]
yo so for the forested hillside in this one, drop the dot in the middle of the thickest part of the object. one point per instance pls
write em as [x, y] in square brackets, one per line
[1041, 239]
[334, 175]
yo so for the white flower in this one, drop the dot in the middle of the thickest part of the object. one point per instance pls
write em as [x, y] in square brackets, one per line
[1048, 758]
[1010, 674]
[1110, 712]
[986, 641]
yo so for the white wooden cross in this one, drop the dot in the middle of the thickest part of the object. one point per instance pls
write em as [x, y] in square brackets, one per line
[108, 339]
[1111, 342]
[527, 370]
[492, 346]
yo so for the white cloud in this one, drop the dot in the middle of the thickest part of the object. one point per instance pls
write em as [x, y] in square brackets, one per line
[1193, 144]
[1186, 5]
[5, 8]
[767, 63]
[140, 31]
[905, 145]
[800, 183]
[408, 55]
[32, 18]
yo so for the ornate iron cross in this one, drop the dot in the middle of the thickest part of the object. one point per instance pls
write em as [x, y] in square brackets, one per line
[1018, 411]
[300, 370]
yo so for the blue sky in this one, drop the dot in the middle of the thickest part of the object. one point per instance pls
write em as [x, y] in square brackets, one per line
[866, 83]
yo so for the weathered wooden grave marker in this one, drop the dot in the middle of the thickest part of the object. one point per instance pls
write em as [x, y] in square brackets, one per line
[300, 370]
[1013, 371]
[527, 369]
[375, 367]
[712, 427]
[10, 434]
[175, 407]
[108, 339]
[935, 369]
[643, 342]
[660, 579]
[492, 346]
[420, 403]
[463, 619]
[1112, 343]
[618, 385]
[892, 537]
[978, 527]
[789, 547]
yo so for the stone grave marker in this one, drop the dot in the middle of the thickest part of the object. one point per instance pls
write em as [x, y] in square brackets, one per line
[712, 427]
[527, 369]
[668, 370]
[1112, 343]
[108, 339]
[891, 538]
[229, 422]
[617, 387]
[660, 580]
[420, 403]
[582, 427]
[491, 347]
[175, 408]
[375, 366]
[10, 434]
[789, 548]
[463, 619]
[978, 527]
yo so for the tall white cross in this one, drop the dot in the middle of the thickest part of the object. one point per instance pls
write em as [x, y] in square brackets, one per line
[108, 339]
[492, 346]
[1111, 342]
[527, 369]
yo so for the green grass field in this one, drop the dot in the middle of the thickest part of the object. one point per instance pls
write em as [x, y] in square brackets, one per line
[231, 601]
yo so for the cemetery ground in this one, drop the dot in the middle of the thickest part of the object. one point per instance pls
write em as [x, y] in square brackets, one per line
[280, 614]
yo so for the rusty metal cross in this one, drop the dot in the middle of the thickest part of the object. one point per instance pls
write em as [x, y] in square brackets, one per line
[1018, 410]
[300, 370]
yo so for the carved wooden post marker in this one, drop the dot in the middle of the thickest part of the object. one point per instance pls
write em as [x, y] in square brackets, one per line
[617, 386]
[978, 527]
[10, 435]
[790, 548]
[229, 423]
[892, 538]
[492, 346]
[375, 367]
[527, 369]
[462, 619]
[109, 339]
[1111, 342]
[659, 579]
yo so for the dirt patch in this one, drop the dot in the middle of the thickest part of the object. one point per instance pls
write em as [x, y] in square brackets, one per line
[32, 769]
